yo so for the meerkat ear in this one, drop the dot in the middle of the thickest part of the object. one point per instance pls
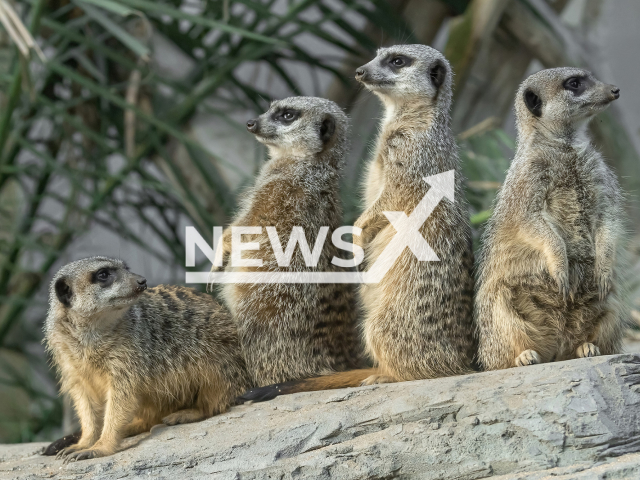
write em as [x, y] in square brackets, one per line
[327, 128]
[533, 102]
[63, 292]
[437, 74]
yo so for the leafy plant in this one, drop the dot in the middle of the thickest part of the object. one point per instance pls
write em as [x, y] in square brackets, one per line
[101, 133]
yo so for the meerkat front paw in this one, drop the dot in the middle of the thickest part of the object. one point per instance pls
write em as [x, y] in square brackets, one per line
[69, 450]
[377, 379]
[587, 350]
[562, 280]
[603, 283]
[85, 454]
[363, 238]
[528, 357]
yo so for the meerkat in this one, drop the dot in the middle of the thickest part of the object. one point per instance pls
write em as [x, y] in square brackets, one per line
[132, 357]
[417, 321]
[291, 331]
[548, 288]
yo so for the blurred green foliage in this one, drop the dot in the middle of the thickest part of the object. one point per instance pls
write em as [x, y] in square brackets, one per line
[100, 130]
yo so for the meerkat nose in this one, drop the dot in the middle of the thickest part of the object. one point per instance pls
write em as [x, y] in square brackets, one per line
[252, 125]
[142, 283]
[360, 72]
[616, 92]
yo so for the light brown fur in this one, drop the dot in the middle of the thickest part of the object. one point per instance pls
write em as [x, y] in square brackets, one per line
[131, 358]
[292, 331]
[548, 286]
[418, 319]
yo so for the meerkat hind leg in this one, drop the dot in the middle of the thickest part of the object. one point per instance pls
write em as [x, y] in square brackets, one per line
[188, 415]
[136, 428]
[587, 350]
[528, 357]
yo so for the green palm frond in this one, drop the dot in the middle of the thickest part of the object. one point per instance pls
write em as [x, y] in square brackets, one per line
[99, 128]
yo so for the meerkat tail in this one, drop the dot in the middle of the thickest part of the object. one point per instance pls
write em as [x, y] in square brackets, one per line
[62, 443]
[351, 378]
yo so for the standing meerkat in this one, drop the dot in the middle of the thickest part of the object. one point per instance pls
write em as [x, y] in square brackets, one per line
[548, 288]
[132, 357]
[291, 331]
[418, 319]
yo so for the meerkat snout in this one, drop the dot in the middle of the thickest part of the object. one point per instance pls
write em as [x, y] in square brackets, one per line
[141, 283]
[252, 125]
[615, 91]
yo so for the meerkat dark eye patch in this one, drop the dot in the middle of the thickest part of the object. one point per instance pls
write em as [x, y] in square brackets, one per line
[104, 277]
[327, 128]
[398, 61]
[533, 102]
[577, 85]
[437, 74]
[63, 292]
[286, 116]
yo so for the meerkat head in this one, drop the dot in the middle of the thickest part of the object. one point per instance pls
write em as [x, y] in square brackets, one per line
[300, 127]
[408, 73]
[92, 286]
[560, 101]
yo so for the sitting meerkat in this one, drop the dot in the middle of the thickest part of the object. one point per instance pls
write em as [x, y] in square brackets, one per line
[132, 357]
[418, 319]
[290, 331]
[547, 286]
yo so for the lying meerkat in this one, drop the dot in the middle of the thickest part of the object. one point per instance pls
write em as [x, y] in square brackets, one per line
[418, 319]
[291, 331]
[132, 357]
[548, 286]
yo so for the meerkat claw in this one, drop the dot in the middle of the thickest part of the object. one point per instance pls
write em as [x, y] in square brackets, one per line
[562, 279]
[86, 454]
[587, 350]
[604, 287]
[528, 357]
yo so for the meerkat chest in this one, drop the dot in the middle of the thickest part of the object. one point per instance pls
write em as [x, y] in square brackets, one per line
[396, 148]
[80, 367]
[571, 203]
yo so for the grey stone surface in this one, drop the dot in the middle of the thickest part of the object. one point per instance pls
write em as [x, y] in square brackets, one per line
[570, 420]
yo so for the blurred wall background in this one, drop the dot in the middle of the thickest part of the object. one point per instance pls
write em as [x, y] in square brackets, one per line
[133, 127]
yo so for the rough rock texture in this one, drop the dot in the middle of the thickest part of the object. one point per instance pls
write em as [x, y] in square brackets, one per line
[568, 420]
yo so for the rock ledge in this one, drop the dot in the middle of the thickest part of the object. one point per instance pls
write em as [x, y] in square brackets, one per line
[568, 420]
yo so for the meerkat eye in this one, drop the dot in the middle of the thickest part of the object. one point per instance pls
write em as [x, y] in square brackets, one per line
[289, 115]
[572, 84]
[102, 275]
[400, 61]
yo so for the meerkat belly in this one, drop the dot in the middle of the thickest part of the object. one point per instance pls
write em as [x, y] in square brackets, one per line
[571, 213]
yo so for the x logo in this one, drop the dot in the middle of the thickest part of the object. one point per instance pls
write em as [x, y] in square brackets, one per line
[408, 228]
